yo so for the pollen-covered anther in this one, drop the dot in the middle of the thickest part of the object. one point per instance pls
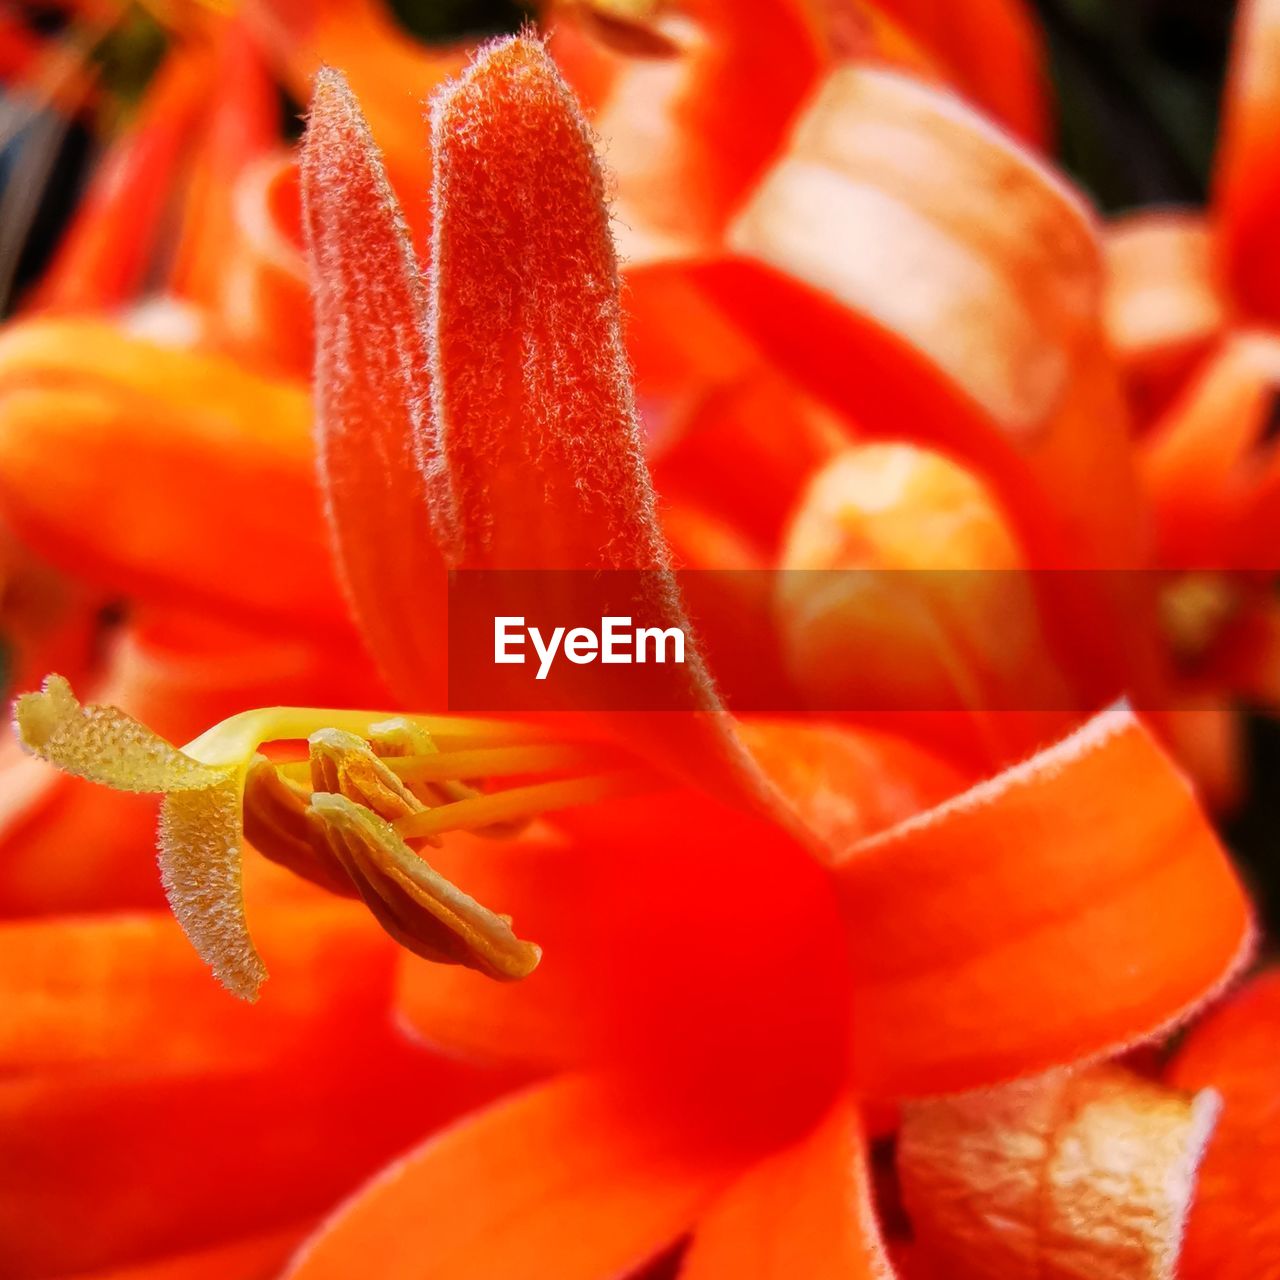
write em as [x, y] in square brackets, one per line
[414, 903]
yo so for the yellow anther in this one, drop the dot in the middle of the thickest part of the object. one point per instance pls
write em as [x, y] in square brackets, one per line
[415, 904]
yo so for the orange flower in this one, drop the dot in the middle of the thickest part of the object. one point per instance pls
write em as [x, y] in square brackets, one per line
[728, 970]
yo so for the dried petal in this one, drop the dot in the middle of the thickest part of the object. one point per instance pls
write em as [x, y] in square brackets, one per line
[1066, 1177]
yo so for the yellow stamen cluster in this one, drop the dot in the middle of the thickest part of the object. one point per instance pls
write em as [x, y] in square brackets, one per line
[348, 816]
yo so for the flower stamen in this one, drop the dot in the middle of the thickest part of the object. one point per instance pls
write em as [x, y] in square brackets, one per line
[342, 818]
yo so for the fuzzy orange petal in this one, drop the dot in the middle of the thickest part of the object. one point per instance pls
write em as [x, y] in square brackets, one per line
[1247, 180]
[565, 1180]
[540, 462]
[1070, 906]
[374, 436]
[163, 473]
[803, 1212]
[1069, 1175]
[1234, 1231]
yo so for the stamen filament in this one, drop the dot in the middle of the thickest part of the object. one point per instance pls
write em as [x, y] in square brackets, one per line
[492, 762]
[522, 802]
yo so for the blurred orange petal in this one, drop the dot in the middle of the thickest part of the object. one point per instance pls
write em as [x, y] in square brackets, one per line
[263, 302]
[256, 1257]
[994, 53]
[566, 1179]
[162, 473]
[104, 258]
[924, 275]
[1069, 1175]
[804, 1212]
[1247, 182]
[115, 990]
[391, 73]
[689, 100]
[108, 1169]
[1198, 460]
[1234, 1231]
[1164, 303]
[242, 124]
[896, 561]
[988, 942]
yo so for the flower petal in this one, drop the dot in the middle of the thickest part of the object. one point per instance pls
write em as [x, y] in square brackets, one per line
[1070, 906]
[541, 463]
[1164, 301]
[1247, 181]
[129, 990]
[115, 234]
[690, 100]
[690, 944]
[564, 1180]
[994, 54]
[540, 459]
[1202, 464]
[104, 1169]
[1068, 1175]
[249, 1258]
[1234, 1231]
[163, 474]
[996, 348]
[264, 299]
[241, 126]
[805, 1211]
[371, 390]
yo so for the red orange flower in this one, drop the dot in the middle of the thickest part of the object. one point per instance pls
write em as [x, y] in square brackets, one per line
[727, 973]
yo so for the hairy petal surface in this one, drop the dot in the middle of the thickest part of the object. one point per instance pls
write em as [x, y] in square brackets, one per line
[1074, 904]
[540, 460]
[371, 393]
